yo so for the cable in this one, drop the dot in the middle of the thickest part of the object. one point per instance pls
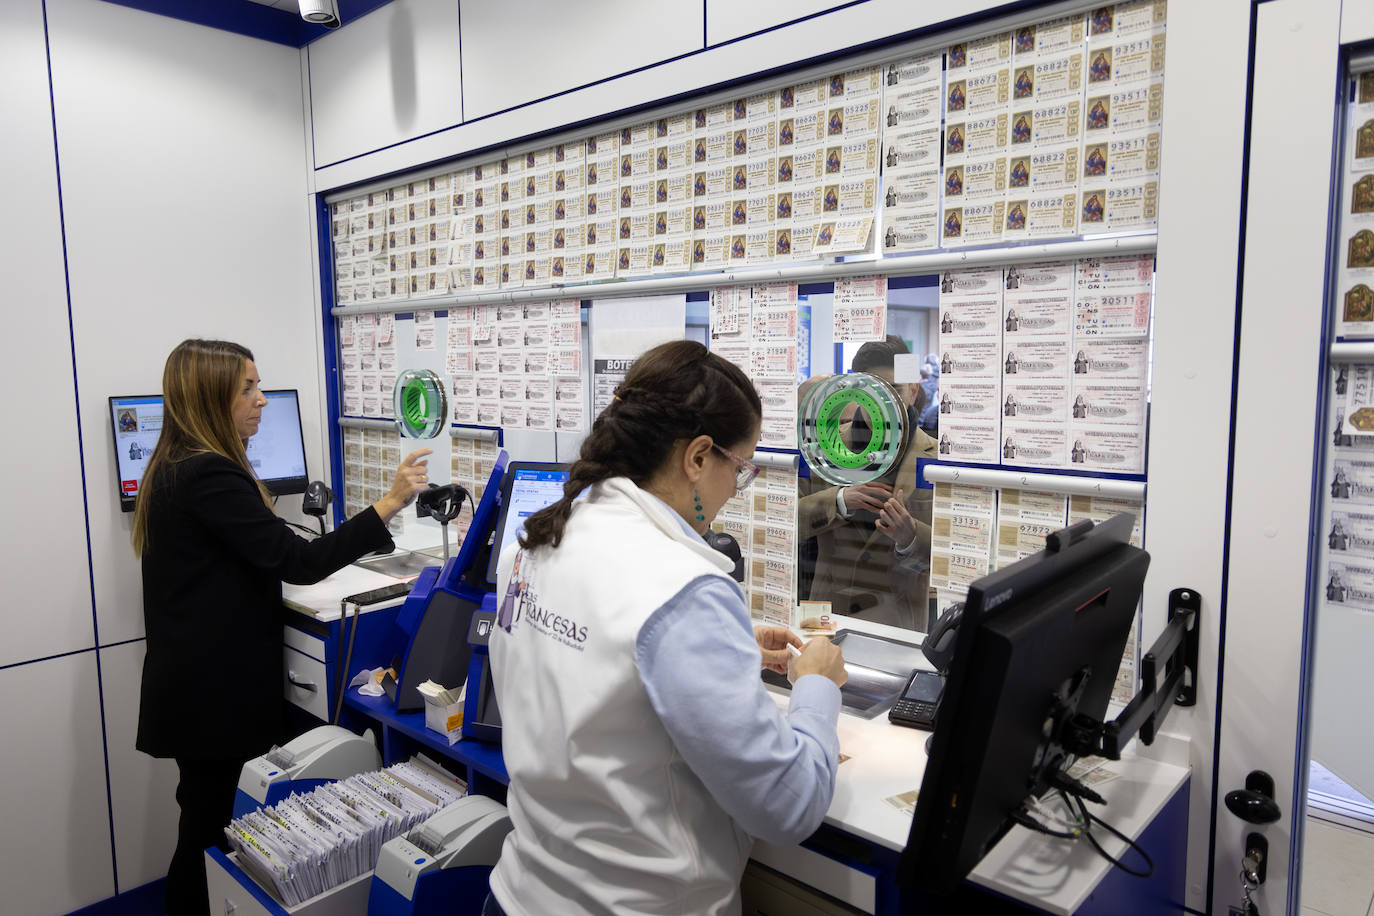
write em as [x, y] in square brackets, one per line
[310, 531]
[1090, 819]
[1025, 820]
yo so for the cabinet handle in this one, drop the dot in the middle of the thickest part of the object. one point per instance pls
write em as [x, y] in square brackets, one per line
[304, 685]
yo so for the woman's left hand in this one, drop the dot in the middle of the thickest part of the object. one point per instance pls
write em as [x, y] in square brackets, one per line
[773, 643]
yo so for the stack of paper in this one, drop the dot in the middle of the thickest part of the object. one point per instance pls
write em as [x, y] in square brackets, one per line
[315, 841]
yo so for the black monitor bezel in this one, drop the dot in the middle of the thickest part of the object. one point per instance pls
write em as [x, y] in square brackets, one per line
[286, 486]
[507, 485]
[950, 827]
[126, 503]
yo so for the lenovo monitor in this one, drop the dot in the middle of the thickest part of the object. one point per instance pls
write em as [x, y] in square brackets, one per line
[1040, 642]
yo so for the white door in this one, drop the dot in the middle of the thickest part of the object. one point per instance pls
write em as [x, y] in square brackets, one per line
[1280, 425]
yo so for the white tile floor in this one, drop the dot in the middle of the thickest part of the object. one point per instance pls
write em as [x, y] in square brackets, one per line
[1338, 852]
[1337, 871]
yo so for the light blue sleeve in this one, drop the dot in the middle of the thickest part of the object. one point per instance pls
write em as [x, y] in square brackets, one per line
[700, 664]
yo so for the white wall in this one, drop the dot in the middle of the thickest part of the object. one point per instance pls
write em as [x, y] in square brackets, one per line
[182, 159]
[500, 81]
[374, 67]
[46, 496]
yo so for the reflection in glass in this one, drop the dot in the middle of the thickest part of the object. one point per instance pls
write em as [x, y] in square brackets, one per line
[865, 548]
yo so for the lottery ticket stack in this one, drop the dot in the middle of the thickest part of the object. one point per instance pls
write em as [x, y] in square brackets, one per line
[315, 841]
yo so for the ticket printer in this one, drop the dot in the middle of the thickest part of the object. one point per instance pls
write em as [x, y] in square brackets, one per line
[443, 863]
[321, 755]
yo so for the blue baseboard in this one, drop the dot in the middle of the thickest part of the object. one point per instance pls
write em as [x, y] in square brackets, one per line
[141, 901]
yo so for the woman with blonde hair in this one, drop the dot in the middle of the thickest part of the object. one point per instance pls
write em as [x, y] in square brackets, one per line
[214, 557]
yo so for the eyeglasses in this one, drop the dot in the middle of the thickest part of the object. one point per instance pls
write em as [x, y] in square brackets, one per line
[744, 473]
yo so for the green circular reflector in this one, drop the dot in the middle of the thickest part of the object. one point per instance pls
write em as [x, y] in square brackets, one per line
[421, 406]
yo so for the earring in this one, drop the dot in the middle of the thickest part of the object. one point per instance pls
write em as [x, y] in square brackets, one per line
[696, 498]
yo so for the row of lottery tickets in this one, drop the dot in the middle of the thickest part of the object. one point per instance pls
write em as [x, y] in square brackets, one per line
[782, 175]
[1048, 131]
[1046, 365]
[370, 460]
[367, 364]
[1052, 130]
[763, 521]
[517, 366]
[1347, 560]
[978, 530]
[1355, 281]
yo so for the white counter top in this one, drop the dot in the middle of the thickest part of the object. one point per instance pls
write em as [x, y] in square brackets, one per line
[1047, 873]
[321, 600]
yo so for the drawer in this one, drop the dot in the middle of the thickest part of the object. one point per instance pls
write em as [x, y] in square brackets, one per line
[305, 682]
[304, 643]
[230, 894]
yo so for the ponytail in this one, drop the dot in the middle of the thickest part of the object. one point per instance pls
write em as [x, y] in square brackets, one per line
[678, 390]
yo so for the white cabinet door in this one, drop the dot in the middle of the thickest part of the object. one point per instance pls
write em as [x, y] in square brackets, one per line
[1280, 422]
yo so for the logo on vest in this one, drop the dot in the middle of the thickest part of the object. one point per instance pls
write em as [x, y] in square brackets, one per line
[521, 601]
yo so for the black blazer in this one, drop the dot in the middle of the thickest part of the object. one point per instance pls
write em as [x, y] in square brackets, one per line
[212, 574]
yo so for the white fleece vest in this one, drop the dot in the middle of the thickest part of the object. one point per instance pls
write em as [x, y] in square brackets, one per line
[608, 818]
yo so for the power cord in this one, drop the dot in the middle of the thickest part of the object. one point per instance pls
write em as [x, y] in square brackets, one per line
[1073, 794]
[1130, 843]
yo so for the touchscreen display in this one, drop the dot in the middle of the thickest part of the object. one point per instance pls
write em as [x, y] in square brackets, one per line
[925, 687]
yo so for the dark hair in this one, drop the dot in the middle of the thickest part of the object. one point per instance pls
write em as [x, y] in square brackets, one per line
[678, 390]
[879, 354]
[199, 383]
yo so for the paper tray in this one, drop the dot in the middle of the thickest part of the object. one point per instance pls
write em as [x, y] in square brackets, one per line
[878, 668]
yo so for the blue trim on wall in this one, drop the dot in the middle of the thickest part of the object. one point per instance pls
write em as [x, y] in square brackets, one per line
[324, 227]
[81, 457]
[49, 658]
[1311, 604]
[144, 900]
[1231, 457]
[251, 19]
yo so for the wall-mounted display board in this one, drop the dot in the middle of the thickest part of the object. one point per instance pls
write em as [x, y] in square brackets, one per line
[1047, 131]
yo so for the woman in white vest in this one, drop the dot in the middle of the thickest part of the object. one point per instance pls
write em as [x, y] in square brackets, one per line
[642, 747]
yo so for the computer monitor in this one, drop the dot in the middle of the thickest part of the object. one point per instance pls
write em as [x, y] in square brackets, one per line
[528, 487]
[277, 451]
[136, 421]
[1040, 641]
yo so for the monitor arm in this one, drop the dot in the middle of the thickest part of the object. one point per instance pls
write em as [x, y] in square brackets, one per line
[1177, 650]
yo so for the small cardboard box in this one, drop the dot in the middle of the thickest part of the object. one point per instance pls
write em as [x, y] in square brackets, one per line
[443, 710]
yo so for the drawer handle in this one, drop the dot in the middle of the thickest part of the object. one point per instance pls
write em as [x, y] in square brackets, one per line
[304, 685]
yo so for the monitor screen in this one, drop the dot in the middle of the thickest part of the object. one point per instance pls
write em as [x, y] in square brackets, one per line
[1040, 642]
[136, 421]
[277, 452]
[529, 486]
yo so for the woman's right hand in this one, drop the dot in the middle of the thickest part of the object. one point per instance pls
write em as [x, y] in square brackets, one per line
[819, 656]
[412, 476]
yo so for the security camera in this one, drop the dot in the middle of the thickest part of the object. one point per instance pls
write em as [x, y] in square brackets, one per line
[321, 12]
